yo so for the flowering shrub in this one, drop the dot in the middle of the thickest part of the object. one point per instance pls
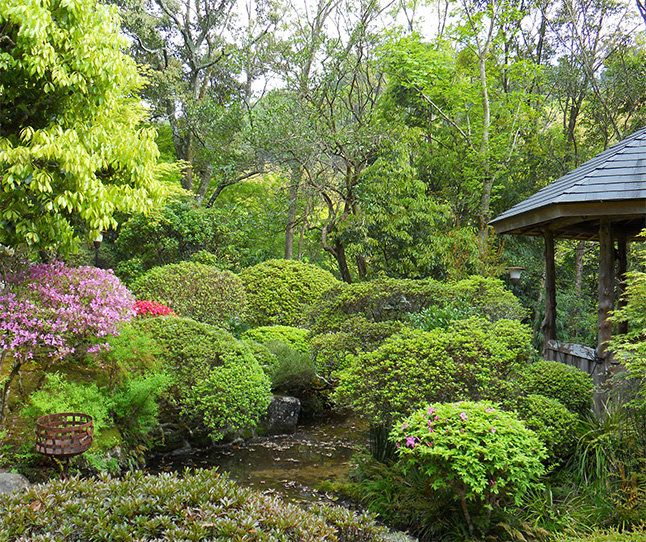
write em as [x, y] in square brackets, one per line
[481, 454]
[152, 308]
[51, 311]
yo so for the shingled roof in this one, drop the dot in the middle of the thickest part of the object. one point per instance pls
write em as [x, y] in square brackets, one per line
[613, 184]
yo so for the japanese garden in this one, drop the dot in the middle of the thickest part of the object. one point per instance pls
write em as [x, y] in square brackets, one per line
[330, 271]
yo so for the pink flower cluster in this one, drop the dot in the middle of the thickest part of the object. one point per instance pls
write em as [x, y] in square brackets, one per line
[52, 309]
[152, 308]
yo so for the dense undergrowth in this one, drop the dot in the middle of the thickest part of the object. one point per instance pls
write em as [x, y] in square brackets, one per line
[472, 437]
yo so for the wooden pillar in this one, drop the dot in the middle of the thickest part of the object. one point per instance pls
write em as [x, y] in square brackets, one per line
[606, 289]
[622, 267]
[549, 322]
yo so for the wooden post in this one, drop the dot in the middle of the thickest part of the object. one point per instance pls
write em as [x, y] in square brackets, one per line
[622, 267]
[606, 289]
[549, 322]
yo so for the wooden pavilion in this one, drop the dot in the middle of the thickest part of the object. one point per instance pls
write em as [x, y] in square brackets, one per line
[603, 200]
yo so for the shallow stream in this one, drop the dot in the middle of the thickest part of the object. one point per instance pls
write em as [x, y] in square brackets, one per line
[292, 466]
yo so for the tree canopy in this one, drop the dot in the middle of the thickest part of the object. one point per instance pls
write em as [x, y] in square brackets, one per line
[73, 150]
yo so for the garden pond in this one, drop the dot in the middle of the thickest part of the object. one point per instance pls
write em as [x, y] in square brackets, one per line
[295, 467]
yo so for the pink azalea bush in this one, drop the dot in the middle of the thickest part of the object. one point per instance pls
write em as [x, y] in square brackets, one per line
[146, 307]
[50, 311]
[483, 455]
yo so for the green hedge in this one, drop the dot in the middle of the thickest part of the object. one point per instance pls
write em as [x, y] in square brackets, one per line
[292, 336]
[475, 360]
[217, 380]
[200, 506]
[553, 423]
[568, 385]
[194, 290]
[281, 292]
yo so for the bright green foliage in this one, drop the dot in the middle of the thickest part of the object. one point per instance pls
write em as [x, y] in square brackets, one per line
[219, 384]
[630, 349]
[72, 152]
[613, 535]
[489, 297]
[355, 335]
[194, 290]
[399, 299]
[568, 385]
[200, 505]
[280, 292]
[59, 394]
[486, 456]
[555, 425]
[474, 360]
[377, 301]
[267, 360]
[176, 232]
[292, 336]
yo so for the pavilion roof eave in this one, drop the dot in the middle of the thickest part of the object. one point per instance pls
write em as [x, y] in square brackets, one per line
[577, 220]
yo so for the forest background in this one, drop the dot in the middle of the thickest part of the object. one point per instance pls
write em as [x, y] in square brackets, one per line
[367, 138]
[373, 138]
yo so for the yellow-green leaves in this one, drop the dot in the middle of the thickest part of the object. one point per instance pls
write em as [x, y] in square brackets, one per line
[72, 152]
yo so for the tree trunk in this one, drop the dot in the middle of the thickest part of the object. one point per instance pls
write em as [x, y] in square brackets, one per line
[291, 213]
[6, 388]
[578, 266]
[339, 254]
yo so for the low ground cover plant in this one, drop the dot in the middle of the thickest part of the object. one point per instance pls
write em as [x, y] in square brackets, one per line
[200, 506]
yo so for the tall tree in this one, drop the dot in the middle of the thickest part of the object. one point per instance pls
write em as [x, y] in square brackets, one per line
[72, 147]
[203, 65]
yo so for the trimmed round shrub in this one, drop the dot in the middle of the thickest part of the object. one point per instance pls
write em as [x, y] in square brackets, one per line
[356, 335]
[280, 292]
[267, 360]
[379, 300]
[474, 360]
[489, 297]
[194, 290]
[485, 456]
[218, 383]
[554, 425]
[568, 385]
[200, 505]
[291, 336]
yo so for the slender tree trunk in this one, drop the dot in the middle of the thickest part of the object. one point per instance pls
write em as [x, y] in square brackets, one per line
[291, 213]
[338, 251]
[6, 388]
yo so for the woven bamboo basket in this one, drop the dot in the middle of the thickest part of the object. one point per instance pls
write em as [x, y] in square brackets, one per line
[65, 434]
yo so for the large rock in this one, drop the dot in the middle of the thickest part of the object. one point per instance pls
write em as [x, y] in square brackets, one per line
[10, 482]
[281, 416]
